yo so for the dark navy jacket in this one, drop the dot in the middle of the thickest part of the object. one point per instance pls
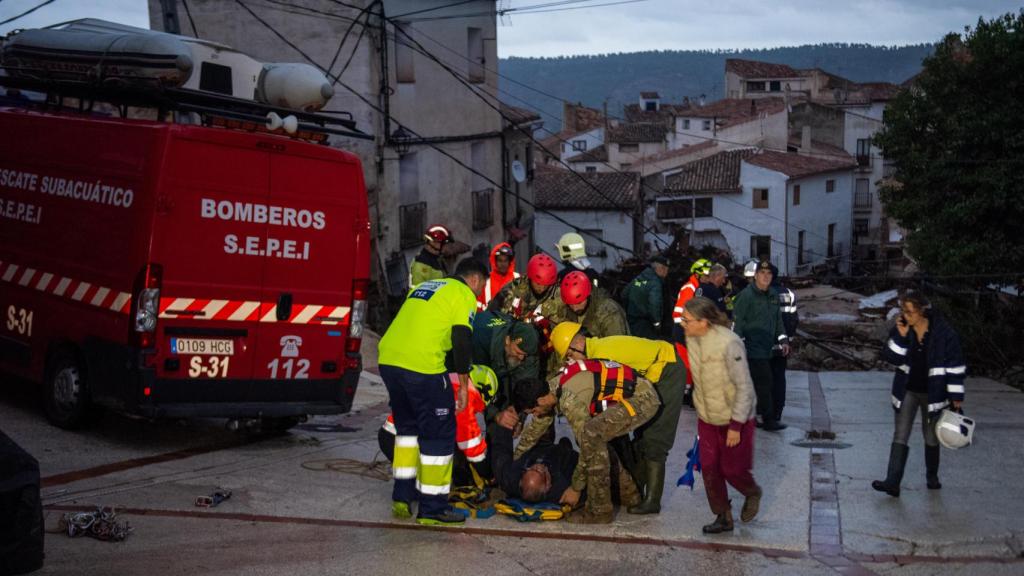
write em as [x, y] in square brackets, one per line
[560, 459]
[946, 367]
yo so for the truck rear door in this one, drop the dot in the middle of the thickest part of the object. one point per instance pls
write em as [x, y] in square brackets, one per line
[312, 257]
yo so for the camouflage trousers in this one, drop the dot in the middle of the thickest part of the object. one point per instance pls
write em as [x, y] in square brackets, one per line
[597, 432]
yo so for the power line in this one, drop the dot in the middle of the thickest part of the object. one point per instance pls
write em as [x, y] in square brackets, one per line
[442, 7]
[525, 132]
[192, 22]
[655, 235]
[344, 37]
[434, 146]
[532, 9]
[27, 12]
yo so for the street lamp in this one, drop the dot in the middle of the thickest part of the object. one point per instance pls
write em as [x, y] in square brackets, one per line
[400, 139]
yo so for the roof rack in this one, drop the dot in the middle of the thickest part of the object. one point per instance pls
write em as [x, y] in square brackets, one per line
[124, 95]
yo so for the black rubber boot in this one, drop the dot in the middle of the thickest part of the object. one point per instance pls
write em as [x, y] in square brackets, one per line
[931, 461]
[897, 462]
[651, 504]
[722, 523]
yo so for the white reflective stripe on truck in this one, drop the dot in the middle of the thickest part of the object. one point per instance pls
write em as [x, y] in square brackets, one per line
[66, 288]
[250, 311]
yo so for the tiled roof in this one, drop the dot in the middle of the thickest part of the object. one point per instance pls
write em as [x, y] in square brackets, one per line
[715, 174]
[679, 152]
[649, 95]
[755, 69]
[799, 165]
[666, 111]
[576, 191]
[599, 154]
[732, 111]
[518, 115]
[579, 118]
[637, 132]
[821, 149]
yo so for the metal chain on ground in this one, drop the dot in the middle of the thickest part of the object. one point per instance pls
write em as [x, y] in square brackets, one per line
[100, 524]
[377, 469]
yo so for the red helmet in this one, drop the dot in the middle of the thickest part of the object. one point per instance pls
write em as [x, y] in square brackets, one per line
[575, 288]
[542, 270]
[438, 233]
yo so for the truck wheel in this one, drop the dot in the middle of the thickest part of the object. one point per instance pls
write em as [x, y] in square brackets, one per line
[67, 396]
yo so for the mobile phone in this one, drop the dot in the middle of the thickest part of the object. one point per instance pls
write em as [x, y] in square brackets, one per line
[902, 320]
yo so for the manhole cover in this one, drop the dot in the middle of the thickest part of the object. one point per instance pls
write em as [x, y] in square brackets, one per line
[337, 428]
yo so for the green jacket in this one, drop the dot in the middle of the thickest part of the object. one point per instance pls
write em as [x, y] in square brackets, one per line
[517, 300]
[644, 304]
[758, 318]
[489, 332]
[603, 316]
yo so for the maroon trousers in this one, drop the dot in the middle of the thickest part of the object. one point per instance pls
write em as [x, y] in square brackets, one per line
[720, 464]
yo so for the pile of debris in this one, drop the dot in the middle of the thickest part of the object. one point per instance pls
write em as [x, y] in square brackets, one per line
[842, 330]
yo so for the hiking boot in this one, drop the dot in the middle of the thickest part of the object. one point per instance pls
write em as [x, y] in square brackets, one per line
[447, 518]
[400, 510]
[751, 506]
[722, 523]
[586, 516]
[897, 462]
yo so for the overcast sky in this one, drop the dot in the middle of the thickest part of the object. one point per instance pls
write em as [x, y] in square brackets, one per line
[652, 24]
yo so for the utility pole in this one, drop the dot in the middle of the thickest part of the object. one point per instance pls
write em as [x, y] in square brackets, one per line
[170, 12]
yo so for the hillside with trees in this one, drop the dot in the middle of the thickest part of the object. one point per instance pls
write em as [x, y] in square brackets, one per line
[619, 78]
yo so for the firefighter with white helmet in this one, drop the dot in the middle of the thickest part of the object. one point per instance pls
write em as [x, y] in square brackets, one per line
[572, 251]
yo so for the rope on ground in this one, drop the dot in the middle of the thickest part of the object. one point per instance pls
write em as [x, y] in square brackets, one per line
[100, 524]
[377, 469]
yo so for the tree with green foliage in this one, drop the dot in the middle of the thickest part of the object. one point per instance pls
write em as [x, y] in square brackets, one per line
[957, 140]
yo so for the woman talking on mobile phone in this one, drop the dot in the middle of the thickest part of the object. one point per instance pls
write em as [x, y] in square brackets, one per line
[929, 377]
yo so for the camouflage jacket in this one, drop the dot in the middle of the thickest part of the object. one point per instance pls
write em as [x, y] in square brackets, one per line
[603, 316]
[518, 301]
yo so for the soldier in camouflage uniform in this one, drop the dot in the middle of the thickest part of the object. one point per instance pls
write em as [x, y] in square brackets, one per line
[591, 307]
[575, 392]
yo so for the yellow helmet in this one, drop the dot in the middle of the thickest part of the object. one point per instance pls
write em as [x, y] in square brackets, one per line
[562, 336]
[485, 380]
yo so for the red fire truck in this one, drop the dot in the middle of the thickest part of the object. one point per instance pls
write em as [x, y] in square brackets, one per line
[172, 270]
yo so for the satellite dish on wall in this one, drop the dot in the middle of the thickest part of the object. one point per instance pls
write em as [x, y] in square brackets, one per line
[518, 171]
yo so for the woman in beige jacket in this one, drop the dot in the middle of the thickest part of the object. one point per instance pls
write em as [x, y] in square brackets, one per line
[724, 398]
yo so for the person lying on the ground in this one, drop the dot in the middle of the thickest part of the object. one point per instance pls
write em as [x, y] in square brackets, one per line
[543, 474]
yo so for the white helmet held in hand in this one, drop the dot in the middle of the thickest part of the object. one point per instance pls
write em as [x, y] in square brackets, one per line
[954, 430]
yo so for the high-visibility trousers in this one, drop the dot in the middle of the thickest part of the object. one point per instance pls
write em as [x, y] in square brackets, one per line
[424, 412]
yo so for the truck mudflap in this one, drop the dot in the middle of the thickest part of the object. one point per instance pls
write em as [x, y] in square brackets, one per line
[247, 398]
